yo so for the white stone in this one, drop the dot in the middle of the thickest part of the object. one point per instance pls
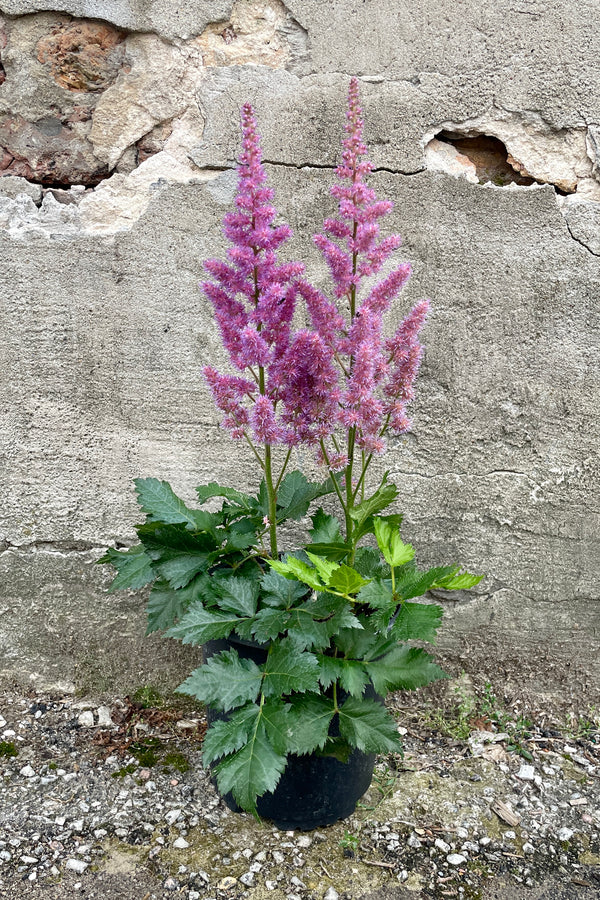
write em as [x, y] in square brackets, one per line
[247, 878]
[180, 843]
[86, 719]
[442, 845]
[331, 894]
[526, 773]
[27, 771]
[104, 718]
[565, 834]
[76, 865]
[456, 859]
[172, 816]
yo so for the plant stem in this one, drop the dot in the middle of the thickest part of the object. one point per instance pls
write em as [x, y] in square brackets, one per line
[284, 467]
[333, 478]
[272, 495]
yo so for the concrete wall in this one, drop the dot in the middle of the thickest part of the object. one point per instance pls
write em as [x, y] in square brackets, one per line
[118, 132]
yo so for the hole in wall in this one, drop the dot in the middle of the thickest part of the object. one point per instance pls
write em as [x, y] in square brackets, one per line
[489, 156]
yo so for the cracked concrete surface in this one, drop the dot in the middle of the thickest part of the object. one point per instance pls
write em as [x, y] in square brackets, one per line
[105, 331]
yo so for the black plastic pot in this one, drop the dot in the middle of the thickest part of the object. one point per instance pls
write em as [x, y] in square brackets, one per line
[313, 791]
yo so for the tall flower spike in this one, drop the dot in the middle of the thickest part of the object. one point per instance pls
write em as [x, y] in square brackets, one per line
[253, 296]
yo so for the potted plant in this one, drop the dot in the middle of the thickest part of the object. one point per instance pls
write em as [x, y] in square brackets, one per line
[299, 649]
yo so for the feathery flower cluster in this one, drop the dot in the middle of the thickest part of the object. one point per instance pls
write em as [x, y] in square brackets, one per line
[341, 375]
[377, 375]
[253, 296]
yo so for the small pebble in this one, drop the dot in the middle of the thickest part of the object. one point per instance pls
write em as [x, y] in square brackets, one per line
[456, 859]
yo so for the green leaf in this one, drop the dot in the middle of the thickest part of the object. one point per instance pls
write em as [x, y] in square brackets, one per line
[166, 605]
[225, 736]
[225, 681]
[311, 625]
[462, 581]
[346, 580]
[367, 725]
[334, 552]
[308, 723]
[417, 622]
[161, 504]
[383, 496]
[296, 568]
[287, 670]
[395, 552]
[351, 674]
[239, 595]
[200, 625]
[280, 591]
[134, 568]
[324, 567]
[412, 582]
[251, 771]
[275, 716]
[158, 537]
[378, 594]
[296, 494]
[326, 528]
[244, 501]
[368, 562]
[403, 668]
[182, 567]
[269, 623]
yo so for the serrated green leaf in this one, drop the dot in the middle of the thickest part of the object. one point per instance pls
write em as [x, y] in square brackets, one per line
[366, 644]
[417, 622]
[395, 552]
[166, 605]
[238, 595]
[326, 528]
[346, 581]
[383, 496]
[367, 725]
[296, 494]
[308, 723]
[269, 623]
[403, 668]
[279, 591]
[244, 501]
[134, 568]
[324, 567]
[225, 736]
[412, 582]
[180, 568]
[312, 625]
[292, 567]
[158, 500]
[351, 674]
[288, 670]
[369, 564]
[225, 681]
[334, 552]
[378, 594]
[158, 538]
[200, 625]
[462, 581]
[252, 771]
[275, 716]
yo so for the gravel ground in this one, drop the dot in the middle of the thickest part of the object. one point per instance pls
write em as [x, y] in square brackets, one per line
[110, 800]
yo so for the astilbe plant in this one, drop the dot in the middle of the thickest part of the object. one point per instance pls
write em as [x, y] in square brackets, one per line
[335, 621]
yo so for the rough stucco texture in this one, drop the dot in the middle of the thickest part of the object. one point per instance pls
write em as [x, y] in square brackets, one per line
[119, 133]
